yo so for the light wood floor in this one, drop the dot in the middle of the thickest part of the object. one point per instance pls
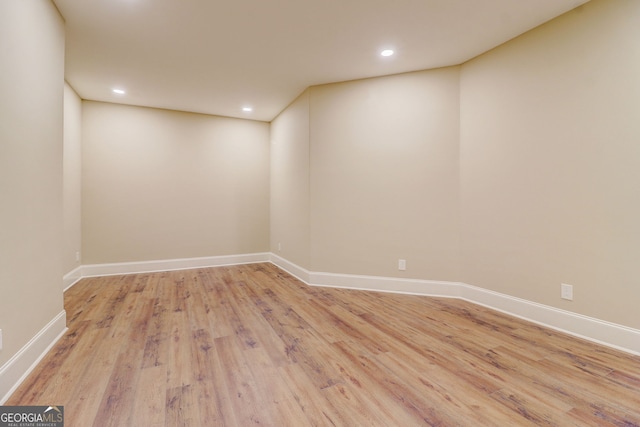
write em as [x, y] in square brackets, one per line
[248, 345]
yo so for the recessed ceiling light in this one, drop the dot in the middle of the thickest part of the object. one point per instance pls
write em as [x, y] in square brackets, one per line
[386, 52]
[118, 91]
[247, 109]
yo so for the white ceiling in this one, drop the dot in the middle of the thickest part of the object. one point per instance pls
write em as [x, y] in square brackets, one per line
[216, 56]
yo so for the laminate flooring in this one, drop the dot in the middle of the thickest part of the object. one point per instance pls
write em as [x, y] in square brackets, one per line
[251, 345]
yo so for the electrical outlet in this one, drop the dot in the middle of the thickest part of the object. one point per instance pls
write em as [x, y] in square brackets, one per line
[0, 339]
[402, 264]
[77, 256]
[566, 292]
[279, 246]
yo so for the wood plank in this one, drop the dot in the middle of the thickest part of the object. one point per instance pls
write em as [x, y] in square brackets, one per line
[150, 398]
[246, 399]
[240, 345]
[402, 400]
[181, 409]
[281, 406]
[115, 408]
[311, 400]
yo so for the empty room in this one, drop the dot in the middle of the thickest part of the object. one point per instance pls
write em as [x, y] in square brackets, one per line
[329, 213]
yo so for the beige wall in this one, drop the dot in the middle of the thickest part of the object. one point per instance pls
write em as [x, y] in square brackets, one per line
[161, 184]
[384, 175]
[72, 174]
[31, 84]
[516, 172]
[550, 163]
[290, 182]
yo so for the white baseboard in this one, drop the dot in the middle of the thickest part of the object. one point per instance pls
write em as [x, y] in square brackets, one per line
[291, 268]
[602, 332]
[610, 334]
[599, 331]
[387, 284]
[72, 277]
[24, 361]
[171, 264]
